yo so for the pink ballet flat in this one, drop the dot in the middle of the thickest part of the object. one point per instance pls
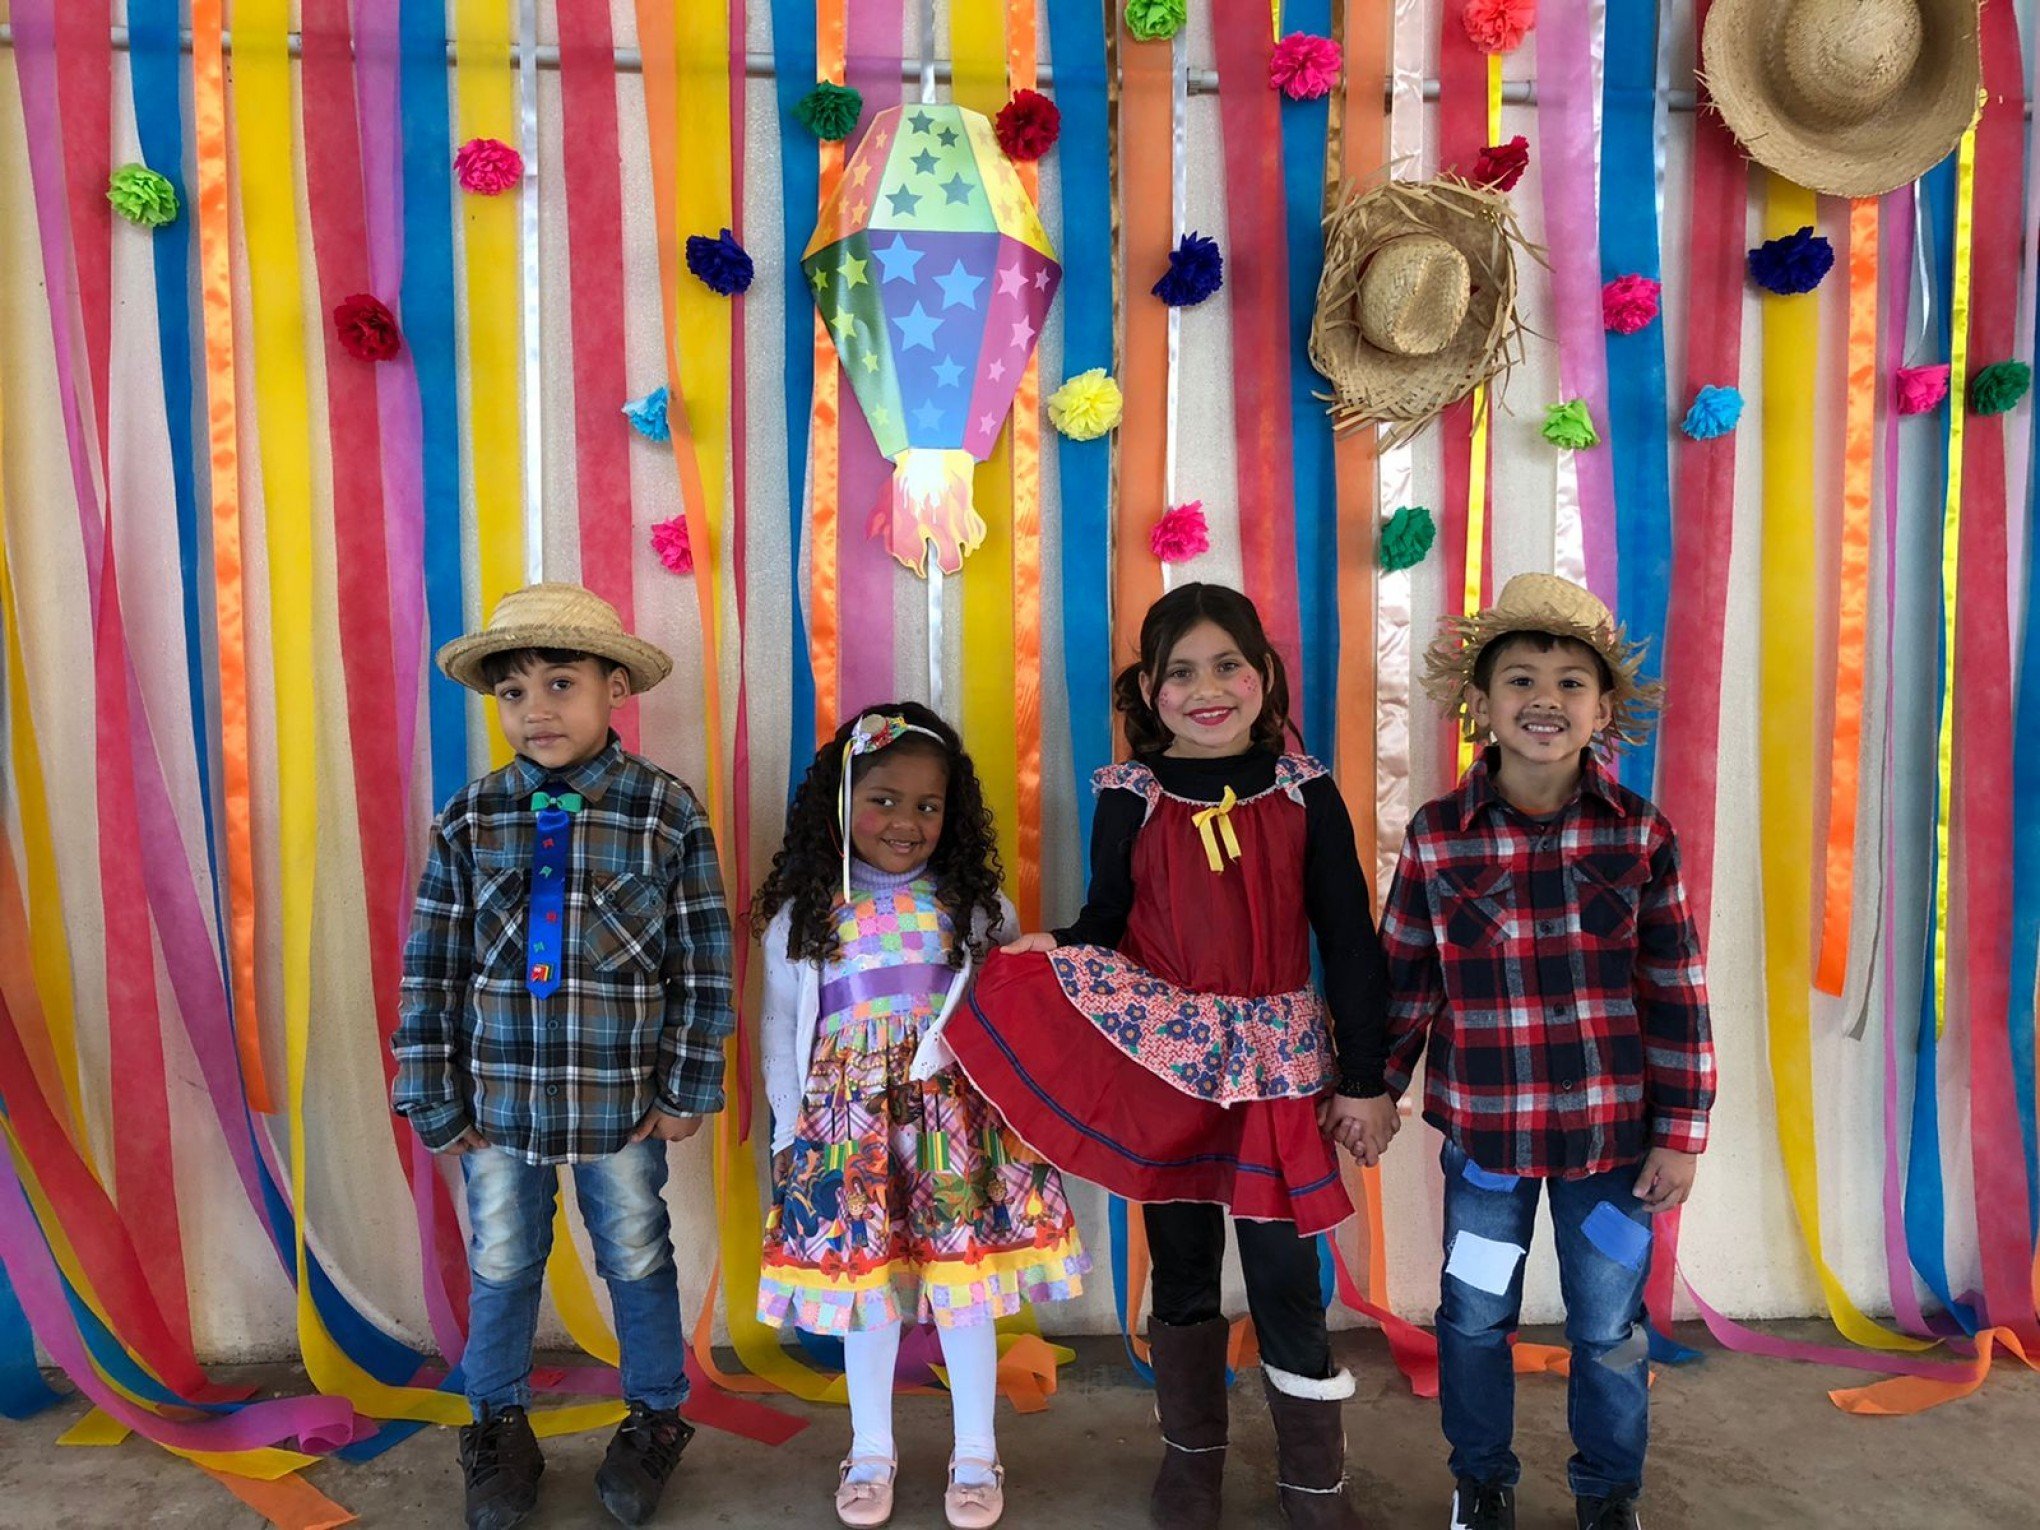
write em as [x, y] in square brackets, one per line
[975, 1505]
[865, 1503]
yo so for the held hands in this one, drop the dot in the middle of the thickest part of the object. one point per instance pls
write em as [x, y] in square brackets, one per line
[667, 1128]
[1666, 1179]
[1026, 944]
[1362, 1127]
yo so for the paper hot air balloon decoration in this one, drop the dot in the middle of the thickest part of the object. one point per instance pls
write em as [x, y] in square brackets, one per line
[934, 275]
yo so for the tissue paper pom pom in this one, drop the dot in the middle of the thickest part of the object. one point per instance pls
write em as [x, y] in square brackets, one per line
[1628, 303]
[1181, 533]
[1154, 20]
[1569, 424]
[1999, 386]
[647, 416]
[1498, 26]
[669, 541]
[487, 166]
[367, 329]
[1086, 406]
[1028, 125]
[721, 262]
[1921, 388]
[1714, 413]
[1792, 263]
[1501, 165]
[1304, 66]
[1406, 537]
[1196, 270]
[829, 110]
[142, 196]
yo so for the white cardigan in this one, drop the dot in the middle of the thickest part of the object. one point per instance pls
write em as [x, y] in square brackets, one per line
[786, 1029]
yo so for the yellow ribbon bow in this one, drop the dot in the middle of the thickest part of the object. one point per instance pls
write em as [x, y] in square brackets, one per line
[1221, 812]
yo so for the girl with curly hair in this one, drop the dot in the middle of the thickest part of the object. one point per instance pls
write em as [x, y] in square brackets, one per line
[913, 1199]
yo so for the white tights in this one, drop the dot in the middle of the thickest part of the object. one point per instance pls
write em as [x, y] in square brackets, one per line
[971, 1354]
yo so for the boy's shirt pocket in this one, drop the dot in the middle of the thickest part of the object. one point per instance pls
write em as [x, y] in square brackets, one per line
[1479, 907]
[623, 928]
[1607, 889]
[502, 882]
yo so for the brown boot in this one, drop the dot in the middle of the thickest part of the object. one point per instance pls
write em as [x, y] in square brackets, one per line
[1189, 1361]
[1310, 1448]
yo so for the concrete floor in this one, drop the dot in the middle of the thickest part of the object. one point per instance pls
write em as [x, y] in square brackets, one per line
[1737, 1442]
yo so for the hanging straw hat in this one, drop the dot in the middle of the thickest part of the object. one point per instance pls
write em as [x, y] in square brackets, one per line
[1847, 97]
[554, 616]
[1417, 304]
[1543, 603]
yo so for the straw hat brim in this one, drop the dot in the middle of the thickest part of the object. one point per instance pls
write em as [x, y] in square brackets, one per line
[1371, 384]
[1917, 128]
[461, 660]
[1450, 662]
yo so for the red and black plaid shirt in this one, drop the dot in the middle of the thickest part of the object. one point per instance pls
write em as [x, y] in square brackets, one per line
[1555, 968]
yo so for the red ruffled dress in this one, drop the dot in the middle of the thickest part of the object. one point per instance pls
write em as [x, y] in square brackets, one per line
[1187, 1063]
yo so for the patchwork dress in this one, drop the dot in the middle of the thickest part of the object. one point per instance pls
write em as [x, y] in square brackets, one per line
[904, 1199]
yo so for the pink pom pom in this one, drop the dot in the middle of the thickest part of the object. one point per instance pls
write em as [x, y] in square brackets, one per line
[1498, 26]
[1921, 388]
[1628, 303]
[1304, 67]
[669, 541]
[1181, 533]
[487, 166]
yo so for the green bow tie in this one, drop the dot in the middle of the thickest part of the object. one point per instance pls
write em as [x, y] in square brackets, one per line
[566, 802]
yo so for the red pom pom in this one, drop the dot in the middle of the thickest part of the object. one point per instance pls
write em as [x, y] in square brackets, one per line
[1181, 533]
[1921, 388]
[1028, 125]
[669, 541]
[1304, 67]
[1501, 165]
[1498, 26]
[1628, 303]
[487, 166]
[367, 329]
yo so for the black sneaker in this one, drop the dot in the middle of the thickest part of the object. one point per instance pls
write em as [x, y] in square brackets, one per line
[1617, 1513]
[499, 1457]
[1483, 1506]
[641, 1457]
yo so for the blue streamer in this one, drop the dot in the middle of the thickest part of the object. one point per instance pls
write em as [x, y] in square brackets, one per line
[23, 1392]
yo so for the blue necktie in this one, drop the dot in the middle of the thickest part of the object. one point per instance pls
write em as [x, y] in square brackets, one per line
[551, 844]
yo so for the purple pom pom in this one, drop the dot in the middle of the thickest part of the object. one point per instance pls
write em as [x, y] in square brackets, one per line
[1196, 270]
[1795, 263]
[721, 263]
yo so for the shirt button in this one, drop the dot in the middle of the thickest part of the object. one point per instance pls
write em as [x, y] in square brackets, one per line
[1566, 1086]
[552, 1025]
[1558, 1012]
[1547, 928]
[552, 1088]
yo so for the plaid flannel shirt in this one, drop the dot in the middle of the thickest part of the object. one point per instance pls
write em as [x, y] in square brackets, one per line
[1554, 967]
[643, 1004]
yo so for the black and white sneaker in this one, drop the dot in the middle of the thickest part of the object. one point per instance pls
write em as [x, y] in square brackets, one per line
[1483, 1506]
[500, 1460]
[1617, 1513]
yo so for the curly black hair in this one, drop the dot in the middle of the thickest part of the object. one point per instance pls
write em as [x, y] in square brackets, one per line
[807, 871]
[1167, 620]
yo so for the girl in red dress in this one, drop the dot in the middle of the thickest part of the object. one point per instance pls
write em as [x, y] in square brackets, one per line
[1171, 1045]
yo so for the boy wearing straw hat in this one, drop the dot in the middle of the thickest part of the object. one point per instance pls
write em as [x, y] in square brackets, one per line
[566, 996]
[1538, 939]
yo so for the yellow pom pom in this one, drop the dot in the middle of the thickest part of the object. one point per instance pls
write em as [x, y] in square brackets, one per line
[1086, 406]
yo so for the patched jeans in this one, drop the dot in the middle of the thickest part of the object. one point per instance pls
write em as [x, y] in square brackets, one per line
[510, 1216]
[1604, 1239]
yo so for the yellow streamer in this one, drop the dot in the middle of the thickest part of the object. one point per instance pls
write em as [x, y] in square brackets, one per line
[1219, 813]
[1477, 468]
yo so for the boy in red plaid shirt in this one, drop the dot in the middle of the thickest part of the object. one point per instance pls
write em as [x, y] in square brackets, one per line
[1537, 934]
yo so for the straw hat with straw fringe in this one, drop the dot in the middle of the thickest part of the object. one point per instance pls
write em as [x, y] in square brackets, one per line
[1852, 98]
[554, 616]
[1417, 304]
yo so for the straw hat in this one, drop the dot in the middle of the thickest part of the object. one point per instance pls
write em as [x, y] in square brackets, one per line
[1417, 303]
[1847, 97]
[1543, 603]
[554, 616]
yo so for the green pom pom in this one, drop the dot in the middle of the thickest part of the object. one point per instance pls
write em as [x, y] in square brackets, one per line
[1999, 386]
[1569, 424]
[1406, 538]
[829, 111]
[142, 196]
[1155, 20]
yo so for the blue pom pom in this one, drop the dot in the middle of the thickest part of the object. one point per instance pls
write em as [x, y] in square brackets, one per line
[1196, 270]
[721, 263]
[1792, 264]
[647, 416]
[1714, 413]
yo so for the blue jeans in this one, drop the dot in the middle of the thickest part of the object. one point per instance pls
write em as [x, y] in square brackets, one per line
[510, 1216]
[1603, 1255]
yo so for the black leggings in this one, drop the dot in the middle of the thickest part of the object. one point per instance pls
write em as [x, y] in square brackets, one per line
[1186, 1244]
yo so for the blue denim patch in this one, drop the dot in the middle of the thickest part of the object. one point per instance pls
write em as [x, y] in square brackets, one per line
[1482, 1179]
[1625, 1241]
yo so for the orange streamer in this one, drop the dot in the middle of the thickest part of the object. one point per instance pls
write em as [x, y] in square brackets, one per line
[1022, 44]
[1902, 1395]
[824, 469]
[289, 1502]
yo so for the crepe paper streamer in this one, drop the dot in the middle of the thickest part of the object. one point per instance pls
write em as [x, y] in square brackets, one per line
[1570, 425]
[488, 167]
[1498, 26]
[1406, 537]
[1792, 263]
[1196, 270]
[23, 1392]
[1501, 165]
[1714, 412]
[647, 415]
[1999, 387]
[1155, 20]
[1028, 125]
[669, 541]
[366, 328]
[830, 522]
[1181, 534]
[722, 265]
[1304, 67]
[1921, 388]
[84, 67]
[829, 110]
[142, 196]
[1087, 406]
[288, 1502]
[1629, 303]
